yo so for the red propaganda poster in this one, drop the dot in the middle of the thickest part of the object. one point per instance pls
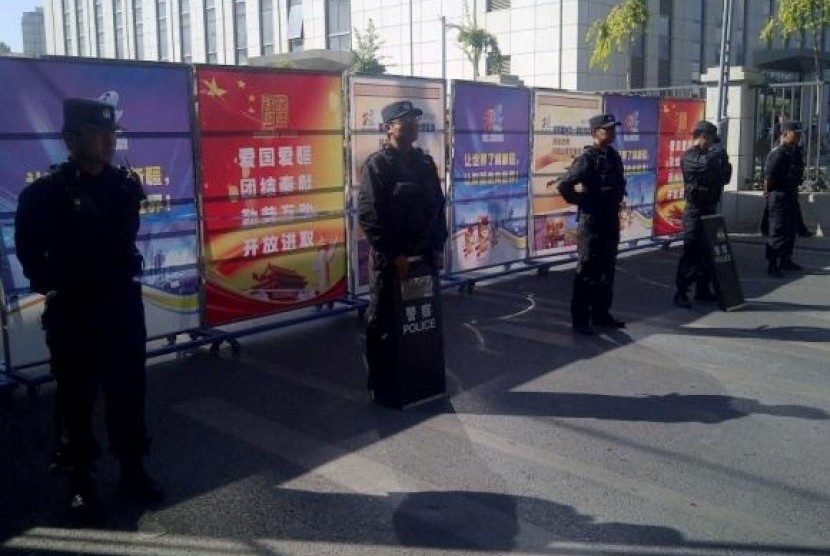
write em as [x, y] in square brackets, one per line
[677, 120]
[272, 191]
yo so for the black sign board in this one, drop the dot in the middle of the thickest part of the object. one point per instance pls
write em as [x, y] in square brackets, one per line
[727, 282]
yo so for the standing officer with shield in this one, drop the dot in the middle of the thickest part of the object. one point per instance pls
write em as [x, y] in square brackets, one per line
[706, 169]
[401, 211]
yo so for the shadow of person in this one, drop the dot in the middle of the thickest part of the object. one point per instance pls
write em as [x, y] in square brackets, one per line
[669, 408]
[499, 522]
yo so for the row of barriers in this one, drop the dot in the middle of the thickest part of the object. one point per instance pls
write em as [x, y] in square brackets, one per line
[252, 173]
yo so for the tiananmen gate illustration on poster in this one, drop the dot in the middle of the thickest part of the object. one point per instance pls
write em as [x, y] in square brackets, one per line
[677, 120]
[272, 190]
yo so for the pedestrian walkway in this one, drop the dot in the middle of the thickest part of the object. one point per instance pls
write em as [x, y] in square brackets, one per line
[691, 432]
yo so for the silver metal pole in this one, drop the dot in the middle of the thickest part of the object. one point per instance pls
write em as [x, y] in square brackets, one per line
[411, 43]
[723, 80]
[444, 49]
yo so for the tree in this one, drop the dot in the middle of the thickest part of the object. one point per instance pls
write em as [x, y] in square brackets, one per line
[4, 48]
[617, 32]
[367, 57]
[797, 17]
[476, 41]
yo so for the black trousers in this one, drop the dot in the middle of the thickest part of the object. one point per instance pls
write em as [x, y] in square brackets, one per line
[380, 319]
[96, 343]
[593, 290]
[783, 225]
[694, 266]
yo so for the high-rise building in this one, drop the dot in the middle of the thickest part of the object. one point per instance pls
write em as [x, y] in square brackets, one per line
[34, 33]
[542, 41]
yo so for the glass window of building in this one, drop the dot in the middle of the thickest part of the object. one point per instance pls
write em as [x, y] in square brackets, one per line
[138, 28]
[295, 25]
[664, 44]
[338, 25]
[67, 29]
[493, 5]
[163, 30]
[266, 26]
[99, 27]
[80, 26]
[240, 31]
[184, 35]
[210, 31]
[120, 35]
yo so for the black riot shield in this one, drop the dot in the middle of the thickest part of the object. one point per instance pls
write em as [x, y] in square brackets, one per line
[727, 283]
[418, 337]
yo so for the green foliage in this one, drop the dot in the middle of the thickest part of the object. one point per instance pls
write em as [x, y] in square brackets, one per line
[4, 48]
[284, 63]
[367, 59]
[617, 31]
[475, 42]
[796, 17]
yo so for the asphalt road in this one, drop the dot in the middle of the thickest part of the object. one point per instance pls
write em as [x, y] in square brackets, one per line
[692, 432]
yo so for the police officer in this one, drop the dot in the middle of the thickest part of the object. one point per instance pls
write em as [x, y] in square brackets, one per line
[75, 233]
[783, 174]
[706, 170]
[401, 212]
[596, 184]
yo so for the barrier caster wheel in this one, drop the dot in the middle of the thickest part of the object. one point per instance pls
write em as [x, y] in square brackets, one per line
[544, 270]
[235, 347]
[33, 391]
[214, 348]
[361, 314]
[471, 286]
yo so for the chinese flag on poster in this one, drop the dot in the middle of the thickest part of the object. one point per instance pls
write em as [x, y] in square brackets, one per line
[272, 190]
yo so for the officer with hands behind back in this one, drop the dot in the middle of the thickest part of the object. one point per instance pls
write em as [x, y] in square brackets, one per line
[783, 174]
[706, 169]
[401, 212]
[596, 184]
[75, 234]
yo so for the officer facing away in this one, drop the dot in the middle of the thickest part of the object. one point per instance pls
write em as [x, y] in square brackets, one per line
[706, 169]
[783, 174]
[401, 211]
[596, 184]
[75, 232]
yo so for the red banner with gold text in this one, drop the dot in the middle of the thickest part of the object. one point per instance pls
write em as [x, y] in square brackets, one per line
[272, 191]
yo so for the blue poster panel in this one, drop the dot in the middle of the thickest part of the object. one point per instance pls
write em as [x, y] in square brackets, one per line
[490, 175]
[153, 105]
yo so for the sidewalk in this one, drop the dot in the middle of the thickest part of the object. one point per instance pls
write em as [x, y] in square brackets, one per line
[691, 432]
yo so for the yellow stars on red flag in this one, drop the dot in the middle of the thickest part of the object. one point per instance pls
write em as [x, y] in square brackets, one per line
[213, 89]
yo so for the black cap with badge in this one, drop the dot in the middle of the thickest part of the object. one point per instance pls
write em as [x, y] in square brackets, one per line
[792, 125]
[398, 110]
[78, 112]
[706, 127]
[603, 120]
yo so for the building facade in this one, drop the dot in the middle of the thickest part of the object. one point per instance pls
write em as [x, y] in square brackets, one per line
[34, 33]
[543, 41]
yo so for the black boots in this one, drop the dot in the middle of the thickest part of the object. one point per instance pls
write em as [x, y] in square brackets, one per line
[681, 299]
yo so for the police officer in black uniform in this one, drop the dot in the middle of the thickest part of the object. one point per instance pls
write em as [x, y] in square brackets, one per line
[596, 184]
[401, 211]
[783, 174]
[75, 233]
[706, 169]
